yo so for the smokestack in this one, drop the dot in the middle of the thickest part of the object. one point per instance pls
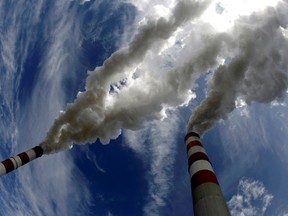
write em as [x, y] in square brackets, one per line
[208, 199]
[13, 163]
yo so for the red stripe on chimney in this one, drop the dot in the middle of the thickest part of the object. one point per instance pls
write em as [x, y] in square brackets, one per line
[197, 156]
[24, 157]
[193, 143]
[9, 166]
[203, 176]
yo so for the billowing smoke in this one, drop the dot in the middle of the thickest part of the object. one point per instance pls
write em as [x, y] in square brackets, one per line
[96, 113]
[248, 63]
[257, 69]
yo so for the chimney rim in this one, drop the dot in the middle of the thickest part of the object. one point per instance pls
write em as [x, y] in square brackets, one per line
[191, 133]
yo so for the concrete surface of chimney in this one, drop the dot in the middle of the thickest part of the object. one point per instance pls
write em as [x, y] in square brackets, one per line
[208, 199]
[13, 163]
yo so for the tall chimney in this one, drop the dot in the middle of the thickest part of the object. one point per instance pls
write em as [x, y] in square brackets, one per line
[208, 199]
[13, 163]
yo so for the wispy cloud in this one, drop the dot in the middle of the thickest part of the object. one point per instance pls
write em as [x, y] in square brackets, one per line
[156, 145]
[244, 136]
[252, 199]
[51, 185]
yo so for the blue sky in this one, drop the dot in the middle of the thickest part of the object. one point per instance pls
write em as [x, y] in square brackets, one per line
[46, 50]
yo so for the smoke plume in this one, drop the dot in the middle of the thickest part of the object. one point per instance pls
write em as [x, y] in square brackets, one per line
[131, 88]
[257, 71]
[96, 113]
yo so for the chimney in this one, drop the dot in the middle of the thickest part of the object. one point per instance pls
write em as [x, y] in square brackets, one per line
[13, 163]
[208, 199]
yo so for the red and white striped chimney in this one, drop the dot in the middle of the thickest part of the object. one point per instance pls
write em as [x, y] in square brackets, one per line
[13, 163]
[208, 199]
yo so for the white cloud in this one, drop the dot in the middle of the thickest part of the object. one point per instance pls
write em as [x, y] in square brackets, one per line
[50, 185]
[149, 7]
[156, 145]
[12, 55]
[252, 199]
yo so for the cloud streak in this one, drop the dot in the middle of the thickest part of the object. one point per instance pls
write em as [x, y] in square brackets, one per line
[28, 116]
[159, 154]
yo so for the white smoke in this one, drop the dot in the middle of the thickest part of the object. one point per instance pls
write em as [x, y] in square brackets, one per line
[257, 71]
[96, 113]
[132, 87]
